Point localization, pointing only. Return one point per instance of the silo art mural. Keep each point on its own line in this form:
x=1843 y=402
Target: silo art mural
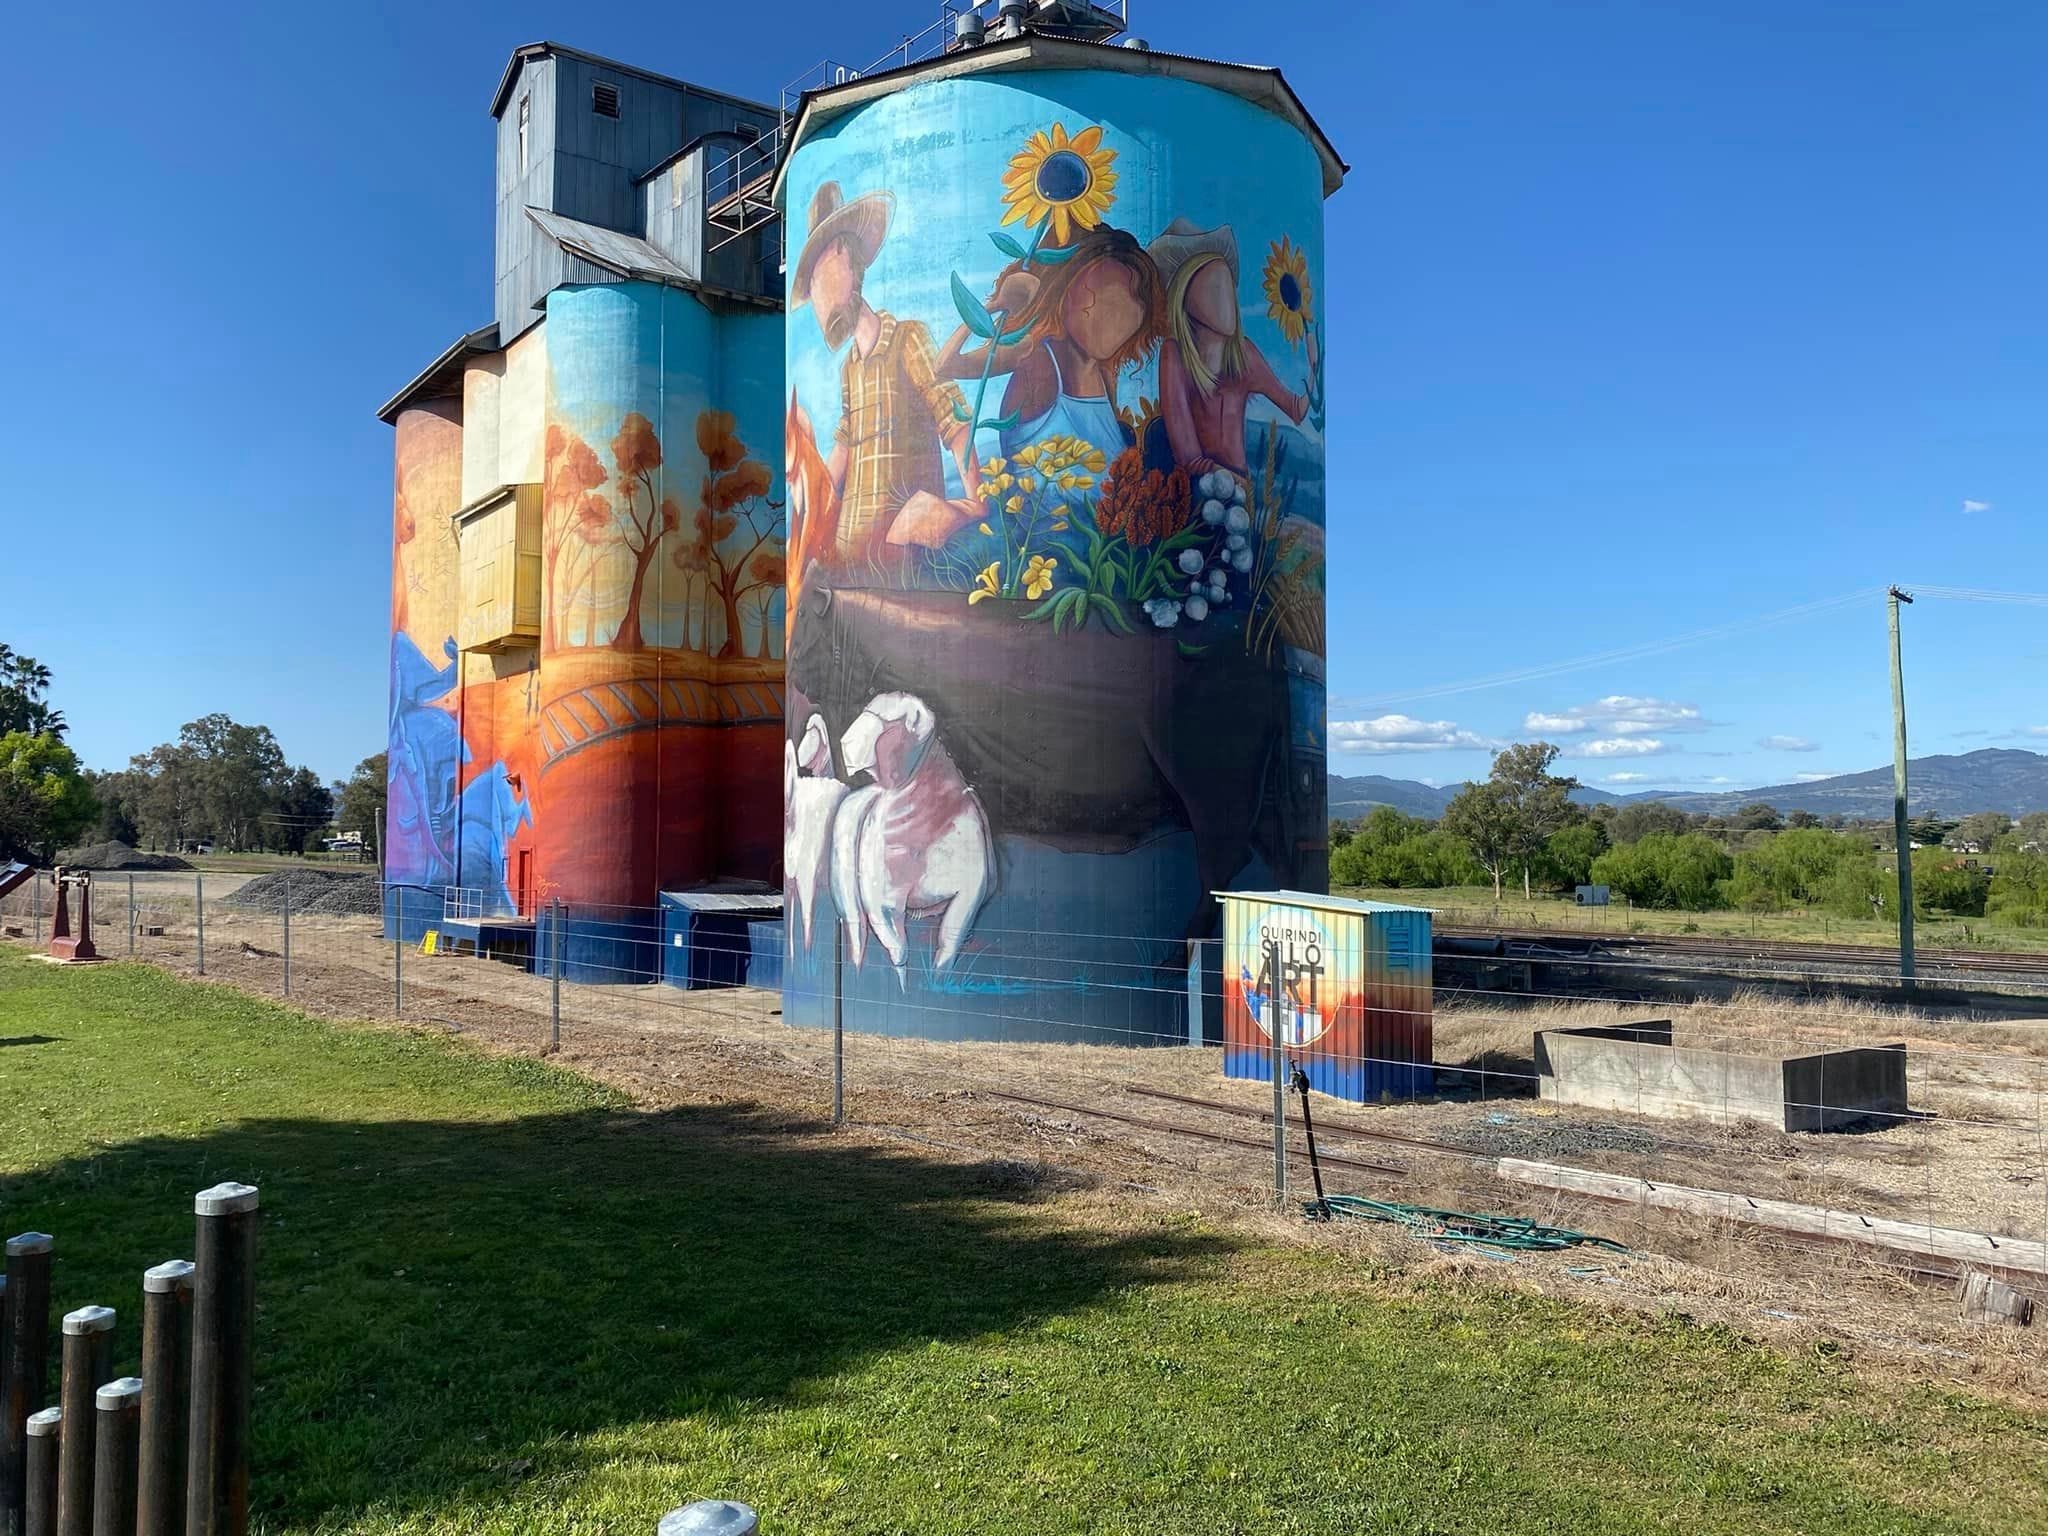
x=1054 y=457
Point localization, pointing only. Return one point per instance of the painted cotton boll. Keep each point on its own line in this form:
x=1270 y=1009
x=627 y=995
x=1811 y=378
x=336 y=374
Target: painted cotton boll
x=1198 y=608
x=1237 y=520
x=1190 y=561
x=1212 y=511
x=1242 y=560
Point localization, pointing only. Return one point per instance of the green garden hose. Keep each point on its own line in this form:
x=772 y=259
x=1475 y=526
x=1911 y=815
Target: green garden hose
x=1511 y=1234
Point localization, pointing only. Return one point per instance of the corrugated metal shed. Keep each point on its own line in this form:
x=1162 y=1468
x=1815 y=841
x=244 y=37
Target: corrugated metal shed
x=1345 y=983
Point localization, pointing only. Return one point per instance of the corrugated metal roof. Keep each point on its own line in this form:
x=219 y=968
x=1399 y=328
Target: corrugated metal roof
x=543 y=48
x=1319 y=903
x=627 y=255
x=1260 y=84
x=721 y=901
x=443 y=376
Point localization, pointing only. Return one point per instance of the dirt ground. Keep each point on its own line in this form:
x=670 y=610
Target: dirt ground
x=1090 y=1120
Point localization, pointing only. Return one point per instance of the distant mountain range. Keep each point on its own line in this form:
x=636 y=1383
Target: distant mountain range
x=1992 y=779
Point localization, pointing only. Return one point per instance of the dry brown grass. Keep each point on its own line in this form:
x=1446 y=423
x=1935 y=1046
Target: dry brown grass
x=1985 y=1171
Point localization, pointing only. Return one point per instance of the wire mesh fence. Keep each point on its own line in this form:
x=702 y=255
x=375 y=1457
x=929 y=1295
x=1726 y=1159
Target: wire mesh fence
x=1732 y=1124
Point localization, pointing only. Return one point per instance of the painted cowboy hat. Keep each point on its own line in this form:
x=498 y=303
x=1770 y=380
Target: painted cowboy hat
x=862 y=224
x=1180 y=242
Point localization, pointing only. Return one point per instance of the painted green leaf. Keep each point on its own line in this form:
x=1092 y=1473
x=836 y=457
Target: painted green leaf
x=1190 y=651
x=960 y=411
x=1004 y=423
x=1011 y=338
x=1112 y=615
x=1007 y=246
x=972 y=314
x=1053 y=257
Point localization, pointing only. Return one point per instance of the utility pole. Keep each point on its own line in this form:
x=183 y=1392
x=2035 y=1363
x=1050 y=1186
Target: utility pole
x=1901 y=836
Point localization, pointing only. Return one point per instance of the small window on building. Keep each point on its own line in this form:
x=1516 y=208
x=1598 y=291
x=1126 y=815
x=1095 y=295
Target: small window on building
x=525 y=122
x=604 y=98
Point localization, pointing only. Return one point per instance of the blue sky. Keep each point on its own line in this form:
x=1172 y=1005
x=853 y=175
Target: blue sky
x=1643 y=320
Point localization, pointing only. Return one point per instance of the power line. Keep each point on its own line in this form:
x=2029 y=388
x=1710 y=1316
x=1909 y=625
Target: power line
x=1982 y=595
x=1627 y=653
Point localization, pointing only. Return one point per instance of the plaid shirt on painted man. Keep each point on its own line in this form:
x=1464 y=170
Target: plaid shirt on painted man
x=897 y=417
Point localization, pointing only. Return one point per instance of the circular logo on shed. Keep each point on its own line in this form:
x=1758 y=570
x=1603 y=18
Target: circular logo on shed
x=1285 y=977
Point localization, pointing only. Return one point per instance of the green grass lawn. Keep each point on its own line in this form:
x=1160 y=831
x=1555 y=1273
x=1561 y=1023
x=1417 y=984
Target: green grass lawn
x=495 y=1297
x=1473 y=906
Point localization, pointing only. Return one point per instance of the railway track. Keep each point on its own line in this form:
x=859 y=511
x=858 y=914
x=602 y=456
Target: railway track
x=1789 y=954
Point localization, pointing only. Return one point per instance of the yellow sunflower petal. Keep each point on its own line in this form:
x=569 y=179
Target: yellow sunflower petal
x=1084 y=142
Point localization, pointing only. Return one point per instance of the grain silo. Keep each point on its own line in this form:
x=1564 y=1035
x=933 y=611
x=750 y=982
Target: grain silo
x=1054 y=450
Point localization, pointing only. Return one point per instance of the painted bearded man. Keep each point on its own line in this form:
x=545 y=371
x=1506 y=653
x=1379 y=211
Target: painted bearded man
x=897 y=416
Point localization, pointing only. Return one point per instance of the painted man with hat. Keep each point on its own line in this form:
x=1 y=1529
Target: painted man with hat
x=897 y=416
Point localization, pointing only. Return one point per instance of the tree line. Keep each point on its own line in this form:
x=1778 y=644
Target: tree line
x=221 y=783
x=1520 y=825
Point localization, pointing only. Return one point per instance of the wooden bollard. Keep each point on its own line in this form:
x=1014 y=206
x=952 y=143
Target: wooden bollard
x=223 y=1322
x=166 y=1390
x=24 y=1365
x=40 y=1504
x=88 y=1361
x=117 y=1442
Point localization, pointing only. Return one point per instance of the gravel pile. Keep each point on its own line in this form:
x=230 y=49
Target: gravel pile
x=117 y=855
x=312 y=891
x=1543 y=1137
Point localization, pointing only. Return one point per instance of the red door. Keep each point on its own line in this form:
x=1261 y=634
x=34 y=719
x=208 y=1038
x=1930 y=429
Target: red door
x=523 y=886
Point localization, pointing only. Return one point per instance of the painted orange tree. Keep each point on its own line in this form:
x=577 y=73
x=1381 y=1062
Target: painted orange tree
x=571 y=507
x=637 y=452
x=736 y=543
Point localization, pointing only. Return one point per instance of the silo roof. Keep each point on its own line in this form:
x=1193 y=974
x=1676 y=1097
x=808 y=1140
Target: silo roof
x=1259 y=84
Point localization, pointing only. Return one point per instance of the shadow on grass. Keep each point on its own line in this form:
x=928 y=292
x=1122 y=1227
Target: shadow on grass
x=7 y=1040
x=440 y=1302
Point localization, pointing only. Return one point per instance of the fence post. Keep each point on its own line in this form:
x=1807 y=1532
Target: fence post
x=117 y=1411
x=88 y=1361
x=39 y=1497
x=710 y=1517
x=287 y=933
x=35 y=897
x=166 y=1385
x=398 y=964
x=1195 y=1033
x=555 y=981
x=26 y=1366
x=199 y=916
x=223 y=1320
x=838 y=1021
x=131 y=917
x=1276 y=1011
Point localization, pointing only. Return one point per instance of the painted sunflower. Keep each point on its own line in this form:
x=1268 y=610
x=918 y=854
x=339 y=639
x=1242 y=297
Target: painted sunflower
x=1290 y=299
x=1066 y=180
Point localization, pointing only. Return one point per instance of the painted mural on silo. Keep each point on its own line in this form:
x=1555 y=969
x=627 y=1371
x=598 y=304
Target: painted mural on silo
x=1055 y=458
x=662 y=640
x=458 y=814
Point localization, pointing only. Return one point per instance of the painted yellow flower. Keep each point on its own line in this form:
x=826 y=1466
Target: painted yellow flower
x=1037 y=576
x=1290 y=297
x=1066 y=180
x=1026 y=455
x=1094 y=462
x=985 y=585
x=1014 y=504
x=1027 y=483
x=993 y=466
x=988 y=530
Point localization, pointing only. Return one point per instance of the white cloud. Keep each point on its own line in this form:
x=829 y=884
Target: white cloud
x=1719 y=778
x=1970 y=506
x=1627 y=778
x=1788 y=744
x=1620 y=746
x=1618 y=714
x=1404 y=733
x=1812 y=778
x=2037 y=730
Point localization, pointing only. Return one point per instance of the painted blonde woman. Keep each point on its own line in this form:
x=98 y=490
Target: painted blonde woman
x=1208 y=370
